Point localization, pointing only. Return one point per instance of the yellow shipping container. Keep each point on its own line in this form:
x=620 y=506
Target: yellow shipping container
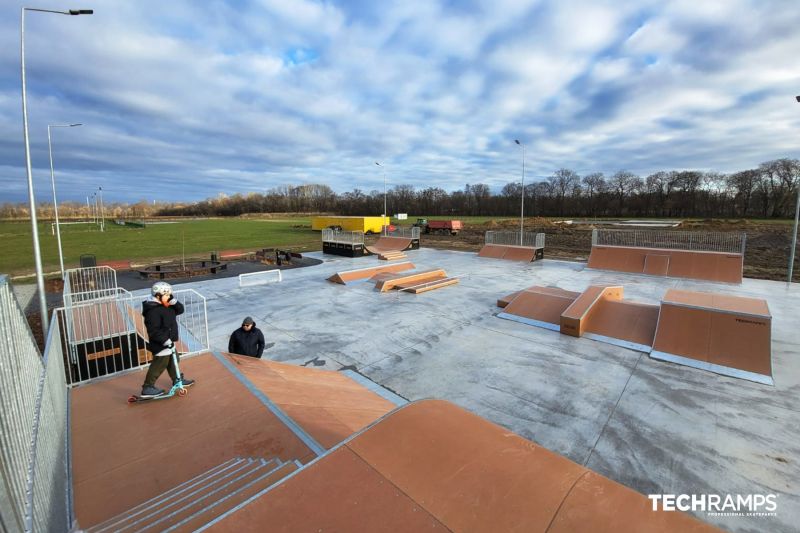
x=365 y=224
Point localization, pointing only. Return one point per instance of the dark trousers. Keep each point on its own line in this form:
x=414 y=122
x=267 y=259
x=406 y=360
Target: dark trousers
x=157 y=367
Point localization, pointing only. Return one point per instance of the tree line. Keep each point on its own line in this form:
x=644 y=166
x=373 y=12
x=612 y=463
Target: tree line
x=764 y=192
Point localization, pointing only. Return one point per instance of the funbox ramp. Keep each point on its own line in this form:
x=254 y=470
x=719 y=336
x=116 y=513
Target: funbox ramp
x=728 y=335
x=433 y=466
x=710 y=266
x=598 y=313
x=363 y=274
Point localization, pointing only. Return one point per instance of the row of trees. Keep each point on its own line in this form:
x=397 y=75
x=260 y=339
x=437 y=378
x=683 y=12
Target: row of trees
x=765 y=192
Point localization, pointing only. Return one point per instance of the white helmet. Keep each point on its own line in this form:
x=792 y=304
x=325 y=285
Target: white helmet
x=162 y=287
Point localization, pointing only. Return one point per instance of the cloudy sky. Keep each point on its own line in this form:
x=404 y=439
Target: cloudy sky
x=182 y=100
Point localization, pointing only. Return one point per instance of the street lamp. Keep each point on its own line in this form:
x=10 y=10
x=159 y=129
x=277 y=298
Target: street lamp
x=522 y=203
x=102 y=213
x=794 y=232
x=385 y=228
x=37 y=254
x=53 y=183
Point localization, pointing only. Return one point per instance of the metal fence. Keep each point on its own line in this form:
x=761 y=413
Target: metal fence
x=404 y=232
x=107 y=335
x=343 y=237
x=260 y=278
x=81 y=284
x=733 y=242
x=34 y=488
x=529 y=239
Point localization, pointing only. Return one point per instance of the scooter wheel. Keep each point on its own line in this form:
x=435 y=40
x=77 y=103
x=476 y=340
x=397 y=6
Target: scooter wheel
x=132 y=399
x=181 y=392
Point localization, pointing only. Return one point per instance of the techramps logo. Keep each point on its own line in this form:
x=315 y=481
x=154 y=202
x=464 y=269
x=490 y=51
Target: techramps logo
x=765 y=505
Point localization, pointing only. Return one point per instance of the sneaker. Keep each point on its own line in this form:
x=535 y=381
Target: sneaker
x=149 y=391
x=186 y=382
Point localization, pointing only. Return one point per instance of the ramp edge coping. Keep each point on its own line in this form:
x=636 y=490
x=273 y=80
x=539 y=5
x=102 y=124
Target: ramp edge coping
x=619 y=342
x=293 y=426
x=530 y=321
x=716 y=310
x=712 y=367
x=384 y=393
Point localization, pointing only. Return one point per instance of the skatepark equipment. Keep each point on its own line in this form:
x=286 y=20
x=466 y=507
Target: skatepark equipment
x=260 y=278
x=363 y=274
x=679 y=254
x=728 y=335
x=177 y=387
x=345 y=243
x=507 y=245
x=409 y=279
x=392 y=256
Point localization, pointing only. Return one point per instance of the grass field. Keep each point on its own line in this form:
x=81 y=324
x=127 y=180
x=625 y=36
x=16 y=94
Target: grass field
x=195 y=238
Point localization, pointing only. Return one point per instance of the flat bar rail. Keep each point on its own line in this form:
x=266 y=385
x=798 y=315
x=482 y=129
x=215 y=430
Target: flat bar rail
x=705 y=241
x=529 y=239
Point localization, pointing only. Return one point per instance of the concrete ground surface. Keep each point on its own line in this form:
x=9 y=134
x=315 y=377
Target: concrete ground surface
x=656 y=427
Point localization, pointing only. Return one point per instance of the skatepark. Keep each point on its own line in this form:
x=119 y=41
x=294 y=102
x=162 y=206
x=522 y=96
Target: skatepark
x=654 y=426
x=595 y=372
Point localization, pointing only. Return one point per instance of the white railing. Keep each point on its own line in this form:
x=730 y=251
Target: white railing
x=529 y=239
x=404 y=232
x=343 y=237
x=710 y=241
x=260 y=278
x=81 y=284
x=107 y=335
x=34 y=470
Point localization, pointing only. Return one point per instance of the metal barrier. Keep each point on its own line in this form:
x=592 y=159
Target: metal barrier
x=529 y=239
x=343 y=237
x=673 y=240
x=107 y=335
x=260 y=278
x=34 y=488
x=404 y=232
x=81 y=284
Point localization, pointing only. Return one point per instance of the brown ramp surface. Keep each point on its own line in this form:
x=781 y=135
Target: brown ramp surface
x=539 y=306
x=432 y=465
x=125 y=454
x=388 y=244
x=575 y=317
x=728 y=335
x=711 y=266
x=349 y=276
x=511 y=253
x=328 y=405
x=628 y=324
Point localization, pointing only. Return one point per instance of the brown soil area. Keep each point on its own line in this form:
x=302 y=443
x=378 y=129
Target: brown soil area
x=766 y=255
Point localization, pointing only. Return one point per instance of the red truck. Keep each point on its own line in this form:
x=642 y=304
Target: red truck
x=441 y=226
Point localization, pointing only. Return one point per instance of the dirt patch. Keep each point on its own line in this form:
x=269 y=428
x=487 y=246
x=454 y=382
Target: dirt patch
x=766 y=253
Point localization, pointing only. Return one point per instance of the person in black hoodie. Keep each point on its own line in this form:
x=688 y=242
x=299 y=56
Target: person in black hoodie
x=160 y=318
x=247 y=340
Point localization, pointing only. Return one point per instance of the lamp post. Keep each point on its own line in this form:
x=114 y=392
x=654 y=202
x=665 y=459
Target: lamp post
x=102 y=213
x=794 y=231
x=385 y=228
x=37 y=254
x=522 y=203
x=53 y=183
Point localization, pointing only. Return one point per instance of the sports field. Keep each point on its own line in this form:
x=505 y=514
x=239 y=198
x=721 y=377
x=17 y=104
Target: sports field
x=163 y=240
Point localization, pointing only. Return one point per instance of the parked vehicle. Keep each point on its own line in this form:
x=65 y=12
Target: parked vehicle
x=440 y=226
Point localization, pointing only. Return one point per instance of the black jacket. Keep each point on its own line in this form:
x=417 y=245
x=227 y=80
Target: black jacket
x=161 y=323
x=247 y=342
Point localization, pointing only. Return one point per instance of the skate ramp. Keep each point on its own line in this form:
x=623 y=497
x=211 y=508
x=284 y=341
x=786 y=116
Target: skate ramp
x=539 y=306
x=627 y=324
x=363 y=274
x=710 y=266
x=400 y=281
x=148 y=448
x=728 y=335
x=510 y=253
x=328 y=405
x=432 y=466
x=389 y=244
x=574 y=319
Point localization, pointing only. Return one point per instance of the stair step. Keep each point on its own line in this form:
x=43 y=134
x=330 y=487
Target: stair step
x=209 y=499
x=187 y=497
x=148 y=506
x=225 y=503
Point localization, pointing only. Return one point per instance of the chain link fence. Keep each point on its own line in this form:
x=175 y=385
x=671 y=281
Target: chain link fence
x=705 y=241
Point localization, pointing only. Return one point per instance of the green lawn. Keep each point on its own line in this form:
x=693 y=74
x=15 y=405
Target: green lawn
x=196 y=238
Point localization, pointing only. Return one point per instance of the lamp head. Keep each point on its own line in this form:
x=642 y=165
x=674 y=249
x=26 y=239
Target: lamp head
x=797 y=98
x=516 y=141
x=81 y=11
